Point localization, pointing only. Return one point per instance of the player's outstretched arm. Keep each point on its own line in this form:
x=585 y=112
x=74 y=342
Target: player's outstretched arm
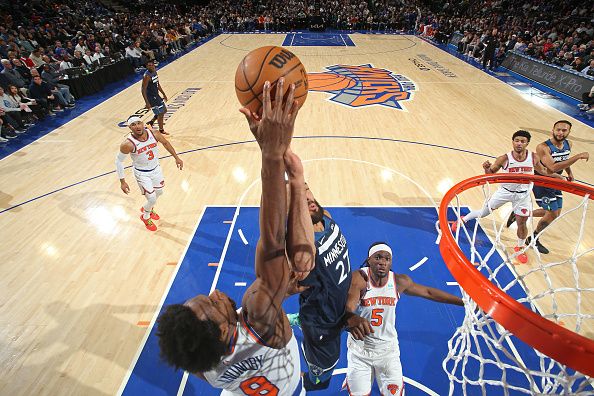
x=300 y=232
x=263 y=299
x=169 y=147
x=406 y=285
x=359 y=327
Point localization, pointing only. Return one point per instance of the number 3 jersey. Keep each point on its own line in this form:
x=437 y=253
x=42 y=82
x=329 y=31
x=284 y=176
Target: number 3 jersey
x=378 y=306
x=145 y=156
x=323 y=304
x=253 y=368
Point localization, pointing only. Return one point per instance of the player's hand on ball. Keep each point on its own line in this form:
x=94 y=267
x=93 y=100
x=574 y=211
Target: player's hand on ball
x=275 y=130
x=125 y=187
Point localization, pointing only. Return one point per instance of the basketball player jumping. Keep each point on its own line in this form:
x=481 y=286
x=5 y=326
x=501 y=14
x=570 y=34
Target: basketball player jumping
x=554 y=156
x=150 y=92
x=518 y=161
x=141 y=144
x=253 y=351
x=375 y=290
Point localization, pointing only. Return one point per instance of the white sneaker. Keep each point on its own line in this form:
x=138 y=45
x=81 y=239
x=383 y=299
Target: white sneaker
x=591 y=111
x=2 y=140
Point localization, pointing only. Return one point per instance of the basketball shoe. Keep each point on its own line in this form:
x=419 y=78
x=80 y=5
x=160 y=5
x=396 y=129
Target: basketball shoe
x=522 y=257
x=148 y=223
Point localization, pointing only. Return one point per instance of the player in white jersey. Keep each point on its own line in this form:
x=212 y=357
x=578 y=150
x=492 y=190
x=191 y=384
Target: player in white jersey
x=375 y=290
x=518 y=161
x=253 y=352
x=141 y=145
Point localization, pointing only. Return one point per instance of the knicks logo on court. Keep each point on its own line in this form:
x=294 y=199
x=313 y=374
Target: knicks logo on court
x=363 y=85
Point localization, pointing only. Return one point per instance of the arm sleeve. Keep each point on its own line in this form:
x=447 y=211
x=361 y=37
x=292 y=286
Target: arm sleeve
x=120 y=164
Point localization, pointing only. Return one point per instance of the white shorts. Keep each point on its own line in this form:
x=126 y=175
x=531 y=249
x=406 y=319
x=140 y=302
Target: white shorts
x=521 y=202
x=364 y=367
x=149 y=181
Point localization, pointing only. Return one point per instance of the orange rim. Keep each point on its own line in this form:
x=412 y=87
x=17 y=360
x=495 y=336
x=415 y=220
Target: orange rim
x=553 y=340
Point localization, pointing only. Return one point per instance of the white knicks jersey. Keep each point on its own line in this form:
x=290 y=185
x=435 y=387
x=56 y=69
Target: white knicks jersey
x=523 y=167
x=378 y=306
x=256 y=369
x=145 y=156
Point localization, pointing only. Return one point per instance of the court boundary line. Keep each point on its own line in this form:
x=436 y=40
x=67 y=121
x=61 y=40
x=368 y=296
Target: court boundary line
x=393 y=140
x=162 y=301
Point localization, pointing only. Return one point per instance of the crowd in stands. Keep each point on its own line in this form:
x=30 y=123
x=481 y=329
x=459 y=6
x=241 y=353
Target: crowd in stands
x=40 y=40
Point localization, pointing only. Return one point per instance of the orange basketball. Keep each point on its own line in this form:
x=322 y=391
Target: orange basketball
x=268 y=64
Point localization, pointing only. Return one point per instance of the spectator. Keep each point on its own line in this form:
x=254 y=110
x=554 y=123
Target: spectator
x=16 y=97
x=134 y=56
x=36 y=57
x=53 y=78
x=587 y=104
x=12 y=76
x=13 y=110
x=42 y=93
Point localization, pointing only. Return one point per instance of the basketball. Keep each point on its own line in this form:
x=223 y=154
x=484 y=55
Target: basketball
x=268 y=64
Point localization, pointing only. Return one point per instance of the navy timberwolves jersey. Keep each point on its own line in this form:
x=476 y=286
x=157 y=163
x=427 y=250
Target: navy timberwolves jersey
x=323 y=304
x=559 y=154
x=153 y=84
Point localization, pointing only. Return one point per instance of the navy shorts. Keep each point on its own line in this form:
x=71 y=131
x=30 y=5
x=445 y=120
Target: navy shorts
x=321 y=349
x=548 y=198
x=157 y=104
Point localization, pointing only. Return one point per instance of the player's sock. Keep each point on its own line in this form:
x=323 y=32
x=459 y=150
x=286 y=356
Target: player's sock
x=521 y=242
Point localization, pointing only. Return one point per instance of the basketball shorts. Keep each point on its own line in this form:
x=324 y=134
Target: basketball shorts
x=548 y=198
x=365 y=365
x=321 y=349
x=521 y=202
x=150 y=180
x=158 y=105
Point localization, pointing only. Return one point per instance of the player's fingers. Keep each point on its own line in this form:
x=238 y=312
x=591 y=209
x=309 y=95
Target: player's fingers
x=267 y=105
x=368 y=328
x=289 y=103
x=294 y=110
x=278 y=100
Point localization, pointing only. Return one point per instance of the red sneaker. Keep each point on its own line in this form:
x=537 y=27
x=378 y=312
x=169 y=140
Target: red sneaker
x=522 y=257
x=148 y=223
x=154 y=215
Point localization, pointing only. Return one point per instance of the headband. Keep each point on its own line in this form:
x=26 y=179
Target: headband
x=377 y=248
x=133 y=119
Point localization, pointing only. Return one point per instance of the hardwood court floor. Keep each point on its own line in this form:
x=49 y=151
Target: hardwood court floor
x=80 y=276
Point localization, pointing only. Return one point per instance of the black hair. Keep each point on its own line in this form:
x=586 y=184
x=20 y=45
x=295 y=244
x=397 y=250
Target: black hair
x=522 y=133
x=365 y=262
x=563 y=122
x=187 y=342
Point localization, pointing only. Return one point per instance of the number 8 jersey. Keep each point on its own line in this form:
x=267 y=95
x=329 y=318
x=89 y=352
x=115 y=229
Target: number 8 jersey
x=378 y=306
x=253 y=368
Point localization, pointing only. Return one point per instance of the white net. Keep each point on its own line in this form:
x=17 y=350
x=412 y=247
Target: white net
x=484 y=358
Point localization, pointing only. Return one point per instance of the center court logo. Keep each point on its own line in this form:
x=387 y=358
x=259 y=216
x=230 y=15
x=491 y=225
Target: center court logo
x=363 y=85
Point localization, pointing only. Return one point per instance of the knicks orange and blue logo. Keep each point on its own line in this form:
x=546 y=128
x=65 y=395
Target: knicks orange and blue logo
x=363 y=85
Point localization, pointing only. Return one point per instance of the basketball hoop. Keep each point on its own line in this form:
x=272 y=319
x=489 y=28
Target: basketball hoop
x=566 y=347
